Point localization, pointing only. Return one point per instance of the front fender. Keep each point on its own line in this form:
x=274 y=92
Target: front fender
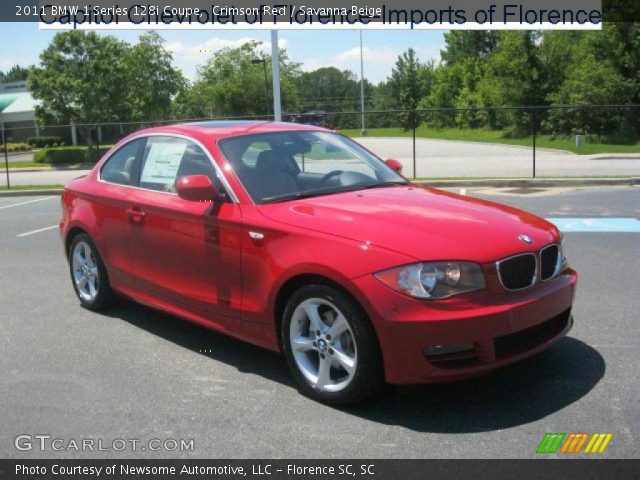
x=287 y=252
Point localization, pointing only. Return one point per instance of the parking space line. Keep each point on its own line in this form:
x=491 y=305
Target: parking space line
x=598 y=224
x=25 y=203
x=37 y=231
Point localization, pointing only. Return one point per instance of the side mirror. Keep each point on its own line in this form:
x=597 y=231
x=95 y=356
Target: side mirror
x=394 y=165
x=197 y=188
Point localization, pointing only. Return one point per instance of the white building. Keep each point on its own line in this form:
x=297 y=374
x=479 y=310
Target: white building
x=17 y=111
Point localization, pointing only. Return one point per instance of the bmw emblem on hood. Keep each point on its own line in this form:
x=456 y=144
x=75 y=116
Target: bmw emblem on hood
x=525 y=238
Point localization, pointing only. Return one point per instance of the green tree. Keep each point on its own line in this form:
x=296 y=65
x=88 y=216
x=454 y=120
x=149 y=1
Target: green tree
x=603 y=69
x=89 y=78
x=512 y=78
x=383 y=97
x=81 y=78
x=619 y=43
x=411 y=80
x=455 y=81
x=556 y=53
x=332 y=90
x=15 y=74
x=232 y=83
x=463 y=45
x=329 y=89
x=151 y=79
x=516 y=69
x=455 y=86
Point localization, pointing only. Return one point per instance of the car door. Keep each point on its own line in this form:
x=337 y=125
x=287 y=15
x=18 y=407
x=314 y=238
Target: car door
x=109 y=200
x=183 y=251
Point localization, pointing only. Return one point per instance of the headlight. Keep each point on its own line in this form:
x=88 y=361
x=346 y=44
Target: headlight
x=434 y=280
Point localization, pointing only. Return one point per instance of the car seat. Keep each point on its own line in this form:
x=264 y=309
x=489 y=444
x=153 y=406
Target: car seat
x=272 y=176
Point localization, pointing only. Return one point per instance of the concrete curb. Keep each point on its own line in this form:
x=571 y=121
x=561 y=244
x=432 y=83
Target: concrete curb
x=29 y=169
x=532 y=182
x=59 y=168
x=30 y=193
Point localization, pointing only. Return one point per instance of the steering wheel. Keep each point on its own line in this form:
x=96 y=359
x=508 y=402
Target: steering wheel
x=331 y=174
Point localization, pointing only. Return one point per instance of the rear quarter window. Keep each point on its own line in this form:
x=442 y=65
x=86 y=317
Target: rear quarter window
x=121 y=166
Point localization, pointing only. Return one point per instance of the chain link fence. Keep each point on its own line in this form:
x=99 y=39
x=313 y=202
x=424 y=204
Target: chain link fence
x=527 y=142
x=523 y=142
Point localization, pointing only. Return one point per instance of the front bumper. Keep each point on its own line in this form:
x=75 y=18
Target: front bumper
x=500 y=328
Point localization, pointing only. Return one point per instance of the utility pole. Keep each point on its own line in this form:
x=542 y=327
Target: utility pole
x=363 y=131
x=275 y=73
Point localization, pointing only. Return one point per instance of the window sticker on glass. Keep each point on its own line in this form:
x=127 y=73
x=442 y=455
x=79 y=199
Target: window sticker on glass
x=162 y=163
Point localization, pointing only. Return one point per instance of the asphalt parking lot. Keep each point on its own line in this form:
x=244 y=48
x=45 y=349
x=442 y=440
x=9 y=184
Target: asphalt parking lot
x=133 y=372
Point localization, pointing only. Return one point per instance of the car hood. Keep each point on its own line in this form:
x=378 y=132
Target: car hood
x=424 y=223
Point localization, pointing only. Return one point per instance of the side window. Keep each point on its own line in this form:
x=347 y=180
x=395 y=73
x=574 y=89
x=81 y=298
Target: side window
x=120 y=167
x=166 y=159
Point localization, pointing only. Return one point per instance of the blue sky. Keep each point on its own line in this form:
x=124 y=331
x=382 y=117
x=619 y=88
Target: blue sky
x=21 y=43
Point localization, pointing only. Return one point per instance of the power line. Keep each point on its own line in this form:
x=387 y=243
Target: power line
x=347 y=96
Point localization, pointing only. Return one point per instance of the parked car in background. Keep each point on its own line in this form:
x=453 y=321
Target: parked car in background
x=298 y=239
x=317 y=118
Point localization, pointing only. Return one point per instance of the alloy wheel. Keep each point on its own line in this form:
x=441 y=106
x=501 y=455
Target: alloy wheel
x=85 y=271
x=323 y=345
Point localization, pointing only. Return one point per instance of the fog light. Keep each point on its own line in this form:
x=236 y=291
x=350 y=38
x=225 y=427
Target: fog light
x=447 y=349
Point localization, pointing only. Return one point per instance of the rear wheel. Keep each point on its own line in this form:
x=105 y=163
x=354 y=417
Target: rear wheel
x=88 y=274
x=330 y=346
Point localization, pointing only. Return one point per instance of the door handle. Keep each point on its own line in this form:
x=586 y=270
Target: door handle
x=136 y=215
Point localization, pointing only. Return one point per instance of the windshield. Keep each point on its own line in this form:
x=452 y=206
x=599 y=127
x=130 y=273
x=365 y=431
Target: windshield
x=281 y=166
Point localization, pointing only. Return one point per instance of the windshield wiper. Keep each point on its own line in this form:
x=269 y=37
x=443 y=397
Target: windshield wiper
x=316 y=193
x=290 y=196
x=385 y=184
x=313 y=193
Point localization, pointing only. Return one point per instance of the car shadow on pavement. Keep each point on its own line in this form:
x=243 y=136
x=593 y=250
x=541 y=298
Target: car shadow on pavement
x=514 y=395
x=518 y=394
x=219 y=347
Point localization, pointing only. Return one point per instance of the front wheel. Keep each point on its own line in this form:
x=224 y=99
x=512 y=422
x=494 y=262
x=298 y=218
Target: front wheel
x=330 y=346
x=88 y=274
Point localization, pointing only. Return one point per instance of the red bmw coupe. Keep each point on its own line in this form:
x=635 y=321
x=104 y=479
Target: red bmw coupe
x=297 y=239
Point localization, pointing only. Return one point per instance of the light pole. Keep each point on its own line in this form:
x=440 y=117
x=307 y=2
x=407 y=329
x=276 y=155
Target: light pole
x=275 y=76
x=363 y=131
x=256 y=61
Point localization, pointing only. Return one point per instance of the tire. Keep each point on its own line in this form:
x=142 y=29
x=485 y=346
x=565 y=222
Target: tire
x=340 y=369
x=88 y=274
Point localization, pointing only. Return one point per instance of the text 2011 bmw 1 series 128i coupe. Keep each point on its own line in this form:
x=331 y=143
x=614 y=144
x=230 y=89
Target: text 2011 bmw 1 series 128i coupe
x=297 y=239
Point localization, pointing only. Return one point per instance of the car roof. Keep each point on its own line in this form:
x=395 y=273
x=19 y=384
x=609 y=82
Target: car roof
x=230 y=128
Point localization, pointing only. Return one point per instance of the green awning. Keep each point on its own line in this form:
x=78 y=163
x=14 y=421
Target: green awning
x=7 y=99
x=17 y=102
